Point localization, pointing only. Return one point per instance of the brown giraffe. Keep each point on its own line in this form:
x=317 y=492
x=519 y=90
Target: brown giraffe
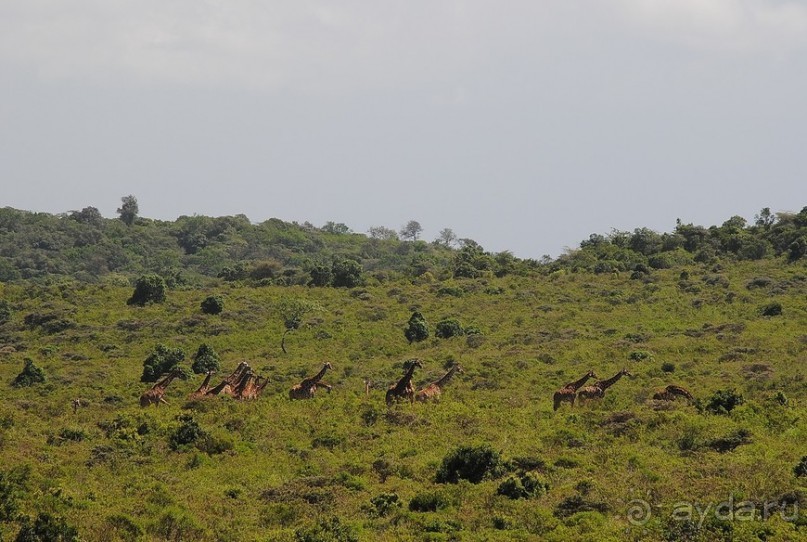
x=597 y=391
x=154 y=396
x=204 y=388
x=433 y=391
x=228 y=385
x=250 y=387
x=568 y=392
x=671 y=392
x=307 y=388
x=404 y=389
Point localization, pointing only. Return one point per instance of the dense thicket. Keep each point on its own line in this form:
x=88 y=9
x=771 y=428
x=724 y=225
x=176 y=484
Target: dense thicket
x=84 y=245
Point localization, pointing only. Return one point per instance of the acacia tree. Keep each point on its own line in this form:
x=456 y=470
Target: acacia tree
x=291 y=311
x=412 y=230
x=447 y=237
x=128 y=209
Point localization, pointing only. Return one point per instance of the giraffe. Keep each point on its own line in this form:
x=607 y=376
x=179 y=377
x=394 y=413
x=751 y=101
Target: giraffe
x=154 y=396
x=597 y=391
x=568 y=392
x=228 y=385
x=404 y=386
x=671 y=392
x=307 y=388
x=204 y=388
x=250 y=386
x=433 y=391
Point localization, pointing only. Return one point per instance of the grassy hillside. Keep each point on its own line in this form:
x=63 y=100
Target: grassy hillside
x=345 y=467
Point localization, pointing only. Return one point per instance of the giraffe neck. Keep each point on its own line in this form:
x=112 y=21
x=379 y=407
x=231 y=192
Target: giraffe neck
x=162 y=384
x=443 y=381
x=605 y=384
x=578 y=383
x=407 y=378
x=317 y=377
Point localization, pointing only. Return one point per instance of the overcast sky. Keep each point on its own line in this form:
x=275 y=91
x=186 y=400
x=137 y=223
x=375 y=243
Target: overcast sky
x=524 y=125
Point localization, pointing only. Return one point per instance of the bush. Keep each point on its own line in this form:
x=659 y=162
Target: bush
x=12 y=484
x=205 y=359
x=445 y=329
x=771 y=309
x=46 y=528
x=668 y=367
x=346 y=273
x=801 y=468
x=162 y=360
x=326 y=531
x=472 y=463
x=213 y=304
x=384 y=503
x=5 y=311
x=428 y=501
x=417 y=329
x=149 y=288
x=723 y=402
x=524 y=486
x=321 y=275
x=30 y=375
x=187 y=433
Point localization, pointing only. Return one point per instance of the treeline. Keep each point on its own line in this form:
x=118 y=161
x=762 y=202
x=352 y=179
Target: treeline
x=86 y=246
x=770 y=235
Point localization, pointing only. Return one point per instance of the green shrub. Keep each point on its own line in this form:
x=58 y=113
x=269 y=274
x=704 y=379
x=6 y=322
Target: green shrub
x=384 y=503
x=326 y=531
x=161 y=361
x=447 y=328
x=771 y=309
x=46 y=528
x=472 y=463
x=205 y=359
x=723 y=401
x=123 y=528
x=417 y=329
x=801 y=468
x=213 y=304
x=187 y=433
x=12 y=485
x=149 y=288
x=5 y=311
x=30 y=375
x=428 y=501
x=668 y=367
x=525 y=486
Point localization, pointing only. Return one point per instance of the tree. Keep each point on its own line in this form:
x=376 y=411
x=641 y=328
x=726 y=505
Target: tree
x=380 y=232
x=346 y=273
x=128 y=209
x=447 y=238
x=765 y=218
x=161 y=361
x=412 y=230
x=212 y=304
x=46 y=528
x=30 y=375
x=205 y=359
x=291 y=311
x=149 y=288
x=416 y=329
x=334 y=227
x=321 y=275
x=88 y=215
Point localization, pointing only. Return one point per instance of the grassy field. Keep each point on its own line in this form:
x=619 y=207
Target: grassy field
x=343 y=466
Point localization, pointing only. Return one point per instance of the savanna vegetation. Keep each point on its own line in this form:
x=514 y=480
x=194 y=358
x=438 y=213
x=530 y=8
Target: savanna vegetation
x=93 y=311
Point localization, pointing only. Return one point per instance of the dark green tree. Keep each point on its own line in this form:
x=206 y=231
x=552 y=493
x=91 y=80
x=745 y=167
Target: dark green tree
x=46 y=528
x=212 y=304
x=321 y=275
x=346 y=273
x=149 y=288
x=30 y=375
x=205 y=359
x=161 y=361
x=128 y=209
x=416 y=329
x=5 y=311
x=447 y=328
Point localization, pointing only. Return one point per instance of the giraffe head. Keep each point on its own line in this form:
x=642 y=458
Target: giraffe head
x=458 y=369
x=412 y=363
x=327 y=365
x=625 y=372
x=591 y=374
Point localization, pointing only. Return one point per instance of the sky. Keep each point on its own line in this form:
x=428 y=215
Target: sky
x=523 y=125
